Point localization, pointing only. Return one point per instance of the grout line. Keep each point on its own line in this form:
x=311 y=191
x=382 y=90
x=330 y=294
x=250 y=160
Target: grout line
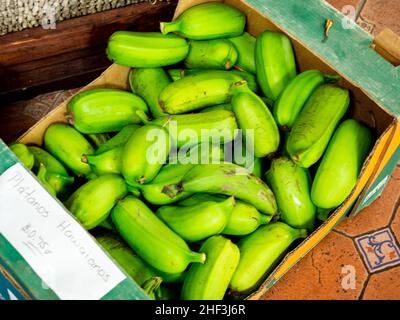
x=397 y=241
x=386 y=226
x=366 y=281
x=385 y=269
x=361 y=257
x=393 y=215
x=365 y=285
x=359 y=8
x=344 y=234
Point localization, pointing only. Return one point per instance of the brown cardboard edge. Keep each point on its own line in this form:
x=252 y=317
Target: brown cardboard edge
x=371 y=179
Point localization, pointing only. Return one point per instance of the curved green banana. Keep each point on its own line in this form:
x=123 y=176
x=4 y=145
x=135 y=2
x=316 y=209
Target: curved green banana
x=197 y=91
x=201 y=153
x=252 y=114
x=229 y=179
x=244 y=218
x=194 y=223
x=293 y=98
x=224 y=106
x=148 y=84
x=190 y=129
x=291 y=185
x=98 y=139
x=210 y=280
x=258 y=166
x=316 y=123
x=93 y=201
x=247 y=160
x=152 y=286
x=128 y=260
x=251 y=80
x=341 y=164
x=155 y=243
x=245 y=45
x=211 y=54
x=108 y=225
x=133 y=265
x=275 y=63
x=57 y=184
x=144 y=154
x=107 y=162
x=176 y=74
x=105 y=110
x=51 y=172
x=42 y=176
x=207 y=21
x=323 y=214
x=259 y=253
x=43 y=157
x=171 y=173
x=146 y=49
x=68 y=145
x=23 y=154
x=119 y=140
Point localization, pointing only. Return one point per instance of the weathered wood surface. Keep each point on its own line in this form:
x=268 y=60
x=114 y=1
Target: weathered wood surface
x=42 y=60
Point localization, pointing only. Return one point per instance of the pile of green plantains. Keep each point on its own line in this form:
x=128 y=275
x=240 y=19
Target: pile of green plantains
x=201 y=230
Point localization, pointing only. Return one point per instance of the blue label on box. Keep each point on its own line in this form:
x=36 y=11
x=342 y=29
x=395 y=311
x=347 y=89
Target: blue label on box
x=8 y=291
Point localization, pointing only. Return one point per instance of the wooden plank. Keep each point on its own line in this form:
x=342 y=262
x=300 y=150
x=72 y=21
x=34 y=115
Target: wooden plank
x=81 y=32
x=37 y=61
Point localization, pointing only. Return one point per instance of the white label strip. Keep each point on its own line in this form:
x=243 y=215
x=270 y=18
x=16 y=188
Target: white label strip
x=60 y=251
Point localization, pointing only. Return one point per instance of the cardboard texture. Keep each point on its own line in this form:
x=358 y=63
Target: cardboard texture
x=375 y=98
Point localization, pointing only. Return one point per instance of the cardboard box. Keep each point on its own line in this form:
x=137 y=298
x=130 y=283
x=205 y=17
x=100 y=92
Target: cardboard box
x=373 y=82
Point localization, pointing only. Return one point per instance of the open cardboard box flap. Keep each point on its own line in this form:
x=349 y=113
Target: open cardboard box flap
x=364 y=108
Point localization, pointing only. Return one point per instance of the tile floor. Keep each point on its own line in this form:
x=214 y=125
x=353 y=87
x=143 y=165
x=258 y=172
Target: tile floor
x=360 y=259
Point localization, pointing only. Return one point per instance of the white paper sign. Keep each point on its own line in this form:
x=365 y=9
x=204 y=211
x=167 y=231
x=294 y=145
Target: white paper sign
x=64 y=256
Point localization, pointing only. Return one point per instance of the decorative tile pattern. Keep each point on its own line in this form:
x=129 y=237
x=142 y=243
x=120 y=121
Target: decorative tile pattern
x=379 y=250
x=38 y=107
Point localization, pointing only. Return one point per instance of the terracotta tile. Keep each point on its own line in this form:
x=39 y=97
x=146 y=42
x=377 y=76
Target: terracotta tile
x=396 y=224
x=381 y=14
x=325 y=273
x=379 y=250
x=383 y=286
x=378 y=214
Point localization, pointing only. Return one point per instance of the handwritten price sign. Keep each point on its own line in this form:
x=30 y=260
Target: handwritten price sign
x=57 y=248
